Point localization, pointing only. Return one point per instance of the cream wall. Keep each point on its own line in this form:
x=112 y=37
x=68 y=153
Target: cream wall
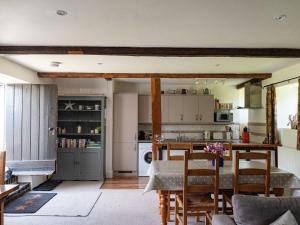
x=259 y=115
x=20 y=72
x=93 y=86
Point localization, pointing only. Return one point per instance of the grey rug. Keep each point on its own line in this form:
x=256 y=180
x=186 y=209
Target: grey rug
x=28 y=203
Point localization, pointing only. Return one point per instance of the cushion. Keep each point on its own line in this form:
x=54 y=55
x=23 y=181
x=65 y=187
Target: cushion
x=250 y=210
x=287 y=218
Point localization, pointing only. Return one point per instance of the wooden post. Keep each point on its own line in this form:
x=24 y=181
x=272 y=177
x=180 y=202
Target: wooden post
x=156 y=113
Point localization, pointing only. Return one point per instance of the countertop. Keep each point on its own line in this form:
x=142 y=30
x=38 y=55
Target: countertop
x=236 y=144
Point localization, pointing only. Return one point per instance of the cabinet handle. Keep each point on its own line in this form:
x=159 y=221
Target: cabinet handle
x=201 y=116
x=197 y=117
x=181 y=117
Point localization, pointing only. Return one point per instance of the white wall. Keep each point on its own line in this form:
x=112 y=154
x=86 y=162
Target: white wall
x=20 y=72
x=93 y=86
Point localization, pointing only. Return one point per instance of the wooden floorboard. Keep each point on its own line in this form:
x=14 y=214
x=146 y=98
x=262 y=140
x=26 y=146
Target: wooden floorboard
x=125 y=183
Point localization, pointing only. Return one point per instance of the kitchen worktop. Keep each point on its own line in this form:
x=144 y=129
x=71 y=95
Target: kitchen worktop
x=236 y=145
x=193 y=141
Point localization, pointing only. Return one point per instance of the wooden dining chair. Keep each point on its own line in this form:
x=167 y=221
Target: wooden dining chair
x=249 y=188
x=178 y=147
x=196 y=198
x=228 y=155
x=175 y=147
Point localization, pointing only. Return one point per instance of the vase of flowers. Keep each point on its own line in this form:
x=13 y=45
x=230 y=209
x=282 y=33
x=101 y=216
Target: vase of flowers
x=214 y=148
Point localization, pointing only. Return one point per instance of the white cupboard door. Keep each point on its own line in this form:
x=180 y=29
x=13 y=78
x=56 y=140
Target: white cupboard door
x=144 y=106
x=125 y=156
x=190 y=109
x=176 y=109
x=125 y=117
x=206 y=109
x=164 y=108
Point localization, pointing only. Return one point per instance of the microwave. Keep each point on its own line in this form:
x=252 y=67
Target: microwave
x=223 y=116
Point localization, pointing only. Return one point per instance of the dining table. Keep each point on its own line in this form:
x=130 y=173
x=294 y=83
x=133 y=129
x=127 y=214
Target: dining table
x=166 y=176
x=5 y=190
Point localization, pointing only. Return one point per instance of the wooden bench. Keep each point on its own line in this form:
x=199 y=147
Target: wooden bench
x=32 y=167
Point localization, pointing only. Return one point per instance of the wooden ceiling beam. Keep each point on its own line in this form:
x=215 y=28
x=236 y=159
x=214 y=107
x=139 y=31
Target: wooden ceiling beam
x=260 y=76
x=154 y=51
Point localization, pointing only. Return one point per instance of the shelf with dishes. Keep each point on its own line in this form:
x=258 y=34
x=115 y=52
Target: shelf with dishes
x=73 y=143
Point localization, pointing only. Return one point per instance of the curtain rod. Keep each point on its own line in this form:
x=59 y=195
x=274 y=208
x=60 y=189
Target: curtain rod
x=279 y=82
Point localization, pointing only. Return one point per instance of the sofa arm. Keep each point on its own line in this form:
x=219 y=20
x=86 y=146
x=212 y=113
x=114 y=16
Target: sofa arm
x=221 y=219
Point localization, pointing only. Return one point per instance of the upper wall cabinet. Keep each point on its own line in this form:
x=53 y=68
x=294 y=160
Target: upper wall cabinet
x=206 y=109
x=179 y=109
x=145 y=109
x=145 y=114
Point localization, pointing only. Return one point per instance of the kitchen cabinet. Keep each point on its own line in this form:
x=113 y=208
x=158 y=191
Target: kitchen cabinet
x=190 y=109
x=206 y=109
x=125 y=132
x=176 y=109
x=179 y=109
x=125 y=156
x=144 y=107
x=164 y=109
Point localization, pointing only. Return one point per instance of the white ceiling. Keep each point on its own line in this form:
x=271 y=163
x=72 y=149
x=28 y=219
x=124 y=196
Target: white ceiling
x=174 y=23
x=130 y=64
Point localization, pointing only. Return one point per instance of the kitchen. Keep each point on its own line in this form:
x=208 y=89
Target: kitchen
x=192 y=110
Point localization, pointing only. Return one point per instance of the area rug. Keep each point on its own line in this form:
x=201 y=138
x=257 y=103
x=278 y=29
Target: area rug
x=28 y=203
x=71 y=204
x=49 y=185
x=77 y=204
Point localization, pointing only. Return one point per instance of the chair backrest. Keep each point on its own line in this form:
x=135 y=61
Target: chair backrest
x=228 y=155
x=261 y=188
x=182 y=147
x=213 y=187
x=2 y=167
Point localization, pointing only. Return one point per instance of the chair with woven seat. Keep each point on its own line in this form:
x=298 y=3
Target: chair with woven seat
x=196 y=198
x=178 y=148
x=249 y=188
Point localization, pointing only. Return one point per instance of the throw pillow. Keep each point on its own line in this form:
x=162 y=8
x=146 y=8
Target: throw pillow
x=286 y=219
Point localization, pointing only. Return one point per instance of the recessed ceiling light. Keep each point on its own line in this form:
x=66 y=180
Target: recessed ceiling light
x=55 y=64
x=60 y=12
x=217 y=65
x=280 y=18
x=99 y=63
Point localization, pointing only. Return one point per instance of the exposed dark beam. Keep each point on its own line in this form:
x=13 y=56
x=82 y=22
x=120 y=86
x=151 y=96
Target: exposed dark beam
x=260 y=76
x=156 y=112
x=253 y=81
x=154 y=51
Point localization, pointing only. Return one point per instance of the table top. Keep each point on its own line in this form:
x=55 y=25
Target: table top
x=168 y=175
x=6 y=189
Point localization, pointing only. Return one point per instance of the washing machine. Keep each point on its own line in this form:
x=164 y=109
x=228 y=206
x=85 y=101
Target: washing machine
x=145 y=158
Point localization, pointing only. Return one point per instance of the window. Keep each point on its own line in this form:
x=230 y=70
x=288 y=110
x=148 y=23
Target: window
x=287 y=103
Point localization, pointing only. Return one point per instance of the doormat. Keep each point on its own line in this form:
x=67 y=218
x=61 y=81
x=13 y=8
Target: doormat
x=29 y=203
x=49 y=185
